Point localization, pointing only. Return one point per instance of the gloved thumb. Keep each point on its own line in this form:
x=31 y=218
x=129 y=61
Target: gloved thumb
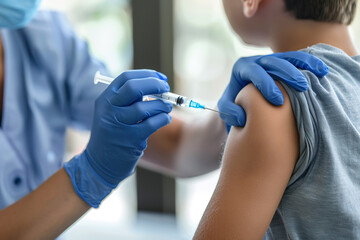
x=233 y=114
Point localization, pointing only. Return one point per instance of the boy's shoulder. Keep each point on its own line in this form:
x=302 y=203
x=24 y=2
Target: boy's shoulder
x=331 y=55
x=343 y=71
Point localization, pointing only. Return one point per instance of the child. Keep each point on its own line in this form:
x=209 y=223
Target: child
x=46 y=77
x=293 y=171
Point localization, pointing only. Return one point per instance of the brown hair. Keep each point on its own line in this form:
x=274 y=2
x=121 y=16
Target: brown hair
x=336 y=11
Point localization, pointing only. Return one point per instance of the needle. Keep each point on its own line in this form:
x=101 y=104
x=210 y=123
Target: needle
x=214 y=110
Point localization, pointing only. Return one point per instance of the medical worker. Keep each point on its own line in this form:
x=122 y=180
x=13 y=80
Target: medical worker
x=46 y=85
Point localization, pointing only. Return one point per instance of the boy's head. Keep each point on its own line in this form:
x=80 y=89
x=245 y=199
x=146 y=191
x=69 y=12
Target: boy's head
x=253 y=19
x=335 y=11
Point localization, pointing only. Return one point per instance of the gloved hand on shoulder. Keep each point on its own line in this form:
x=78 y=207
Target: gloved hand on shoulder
x=260 y=70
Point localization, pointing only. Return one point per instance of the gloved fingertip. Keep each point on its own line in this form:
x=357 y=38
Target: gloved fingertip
x=241 y=123
x=275 y=97
x=228 y=127
x=323 y=70
x=167 y=87
x=304 y=87
x=278 y=100
x=162 y=76
x=170 y=118
x=170 y=106
x=241 y=120
x=301 y=83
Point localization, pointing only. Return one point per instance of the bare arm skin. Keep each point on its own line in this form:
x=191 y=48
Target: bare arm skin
x=257 y=165
x=186 y=148
x=45 y=213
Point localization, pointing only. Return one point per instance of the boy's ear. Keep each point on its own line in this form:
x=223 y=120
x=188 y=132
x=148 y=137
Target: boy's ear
x=250 y=7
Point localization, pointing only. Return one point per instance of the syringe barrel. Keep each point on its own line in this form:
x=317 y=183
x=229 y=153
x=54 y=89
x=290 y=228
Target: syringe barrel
x=172 y=98
x=168 y=97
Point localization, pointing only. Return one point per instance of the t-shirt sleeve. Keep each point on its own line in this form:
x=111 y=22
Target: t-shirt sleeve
x=305 y=115
x=80 y=70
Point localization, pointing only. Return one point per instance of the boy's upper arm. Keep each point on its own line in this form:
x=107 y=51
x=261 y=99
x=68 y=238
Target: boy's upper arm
x=257 y=165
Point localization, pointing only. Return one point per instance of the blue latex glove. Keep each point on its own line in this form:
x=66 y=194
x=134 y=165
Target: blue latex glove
x=121 y=126
x=260 y=70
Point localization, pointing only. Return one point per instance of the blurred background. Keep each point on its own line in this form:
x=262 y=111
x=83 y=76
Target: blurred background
x=190 y=41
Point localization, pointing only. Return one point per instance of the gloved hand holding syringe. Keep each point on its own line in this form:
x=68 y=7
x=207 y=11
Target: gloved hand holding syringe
x=173 y=98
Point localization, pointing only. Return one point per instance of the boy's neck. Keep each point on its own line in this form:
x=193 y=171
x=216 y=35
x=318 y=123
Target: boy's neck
x=295 y=35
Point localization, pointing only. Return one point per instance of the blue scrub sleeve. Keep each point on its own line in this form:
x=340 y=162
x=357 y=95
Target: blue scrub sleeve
x=81 y=67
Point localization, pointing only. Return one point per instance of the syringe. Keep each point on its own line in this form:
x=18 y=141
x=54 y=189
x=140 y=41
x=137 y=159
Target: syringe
x=173 y=98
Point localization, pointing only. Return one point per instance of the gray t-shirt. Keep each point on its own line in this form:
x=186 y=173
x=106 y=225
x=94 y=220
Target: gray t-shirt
x=322 y=200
